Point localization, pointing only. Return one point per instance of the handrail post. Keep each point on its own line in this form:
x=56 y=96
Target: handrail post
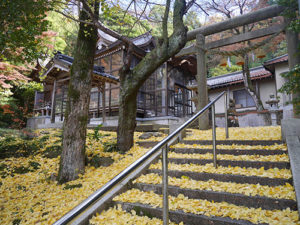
x=214 y=133
x=165 y=185
x=226 y=114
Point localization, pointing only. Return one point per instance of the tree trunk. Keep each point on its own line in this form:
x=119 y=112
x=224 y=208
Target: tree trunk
x=132 y=80
x=127 y=121
x=248 y=85
x=250 y=89
x=76 y=116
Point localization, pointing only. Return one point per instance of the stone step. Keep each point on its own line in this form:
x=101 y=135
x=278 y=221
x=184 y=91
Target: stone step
x=233 y=198
x=225 y=177
x=230 y=151
x=231 y=142
x=179 y=216
x=247 y=164
x=149 y=144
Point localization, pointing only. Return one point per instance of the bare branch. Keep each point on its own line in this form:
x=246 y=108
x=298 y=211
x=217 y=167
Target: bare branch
x=165 y=22
x=138 y=20
x=201 y=8
x=153 y=3
x=100 y=26
x=72 y=18
x=189 y=5
x=251 y=26
x=126 y=10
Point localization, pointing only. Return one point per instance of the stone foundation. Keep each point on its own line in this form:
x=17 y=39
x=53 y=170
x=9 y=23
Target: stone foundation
x=249 y=119
x=42 y=122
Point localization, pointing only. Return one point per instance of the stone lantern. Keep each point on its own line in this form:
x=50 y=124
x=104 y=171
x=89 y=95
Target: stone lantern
x=273 y=109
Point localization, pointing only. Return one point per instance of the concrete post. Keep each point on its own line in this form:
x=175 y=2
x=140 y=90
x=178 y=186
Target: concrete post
x=293 y=42
x=201 y=81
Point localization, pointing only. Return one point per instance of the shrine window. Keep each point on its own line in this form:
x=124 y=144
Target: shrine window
x=243 y=98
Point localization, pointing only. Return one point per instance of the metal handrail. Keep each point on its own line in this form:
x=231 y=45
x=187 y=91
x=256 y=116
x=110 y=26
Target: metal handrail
x=164 y=143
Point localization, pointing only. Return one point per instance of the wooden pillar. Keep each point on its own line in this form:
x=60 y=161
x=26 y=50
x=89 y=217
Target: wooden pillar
x=293 y=42
x=103 y=104
x=184 y=101
x=62 y=104
x=166 y=89
x=98 y=103
x=53 y=102
x=109 y=100
x=201 y=81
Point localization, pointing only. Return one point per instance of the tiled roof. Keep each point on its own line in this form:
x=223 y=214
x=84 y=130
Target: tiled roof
x=139 y=41
x=237 y=77
x=279 y=59
x=142 y=39
x=99 y=70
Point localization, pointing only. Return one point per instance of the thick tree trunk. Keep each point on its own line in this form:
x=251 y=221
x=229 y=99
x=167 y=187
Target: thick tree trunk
x=76 y=116
x=127 y=122
x=132 y=80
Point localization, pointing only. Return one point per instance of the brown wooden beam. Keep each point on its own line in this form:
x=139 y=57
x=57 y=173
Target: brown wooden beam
x=245 y=19
x=245 y=36
x=234 y=39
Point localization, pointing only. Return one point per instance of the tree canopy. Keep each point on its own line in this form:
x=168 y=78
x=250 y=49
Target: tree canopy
x=22 y=28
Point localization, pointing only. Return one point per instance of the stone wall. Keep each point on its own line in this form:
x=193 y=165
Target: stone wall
x=252 y=120
x=249 y=119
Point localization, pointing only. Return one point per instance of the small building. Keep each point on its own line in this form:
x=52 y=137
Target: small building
x=163 y=99
x=267 y=81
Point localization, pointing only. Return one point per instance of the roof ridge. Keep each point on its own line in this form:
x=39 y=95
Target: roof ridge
x=278 y=57
x=235 y=73
x=100 y=70
x=146 y=33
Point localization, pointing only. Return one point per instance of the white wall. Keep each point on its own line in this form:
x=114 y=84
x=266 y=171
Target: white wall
x=281 y=68
x=212 y=94
x=266 y=88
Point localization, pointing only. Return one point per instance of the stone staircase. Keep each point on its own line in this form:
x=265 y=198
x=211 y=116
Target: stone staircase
x=250 y=186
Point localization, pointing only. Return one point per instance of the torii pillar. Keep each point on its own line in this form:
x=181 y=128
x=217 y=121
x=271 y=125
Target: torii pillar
x=201 y=81
x=293 y=42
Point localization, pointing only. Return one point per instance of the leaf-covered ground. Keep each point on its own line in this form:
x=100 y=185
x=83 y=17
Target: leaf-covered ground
x=29 y=165
x=237 y=133
x=29 y=192
x=224 y=209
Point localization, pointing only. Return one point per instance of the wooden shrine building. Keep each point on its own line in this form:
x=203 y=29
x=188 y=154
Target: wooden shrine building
x=163 y=95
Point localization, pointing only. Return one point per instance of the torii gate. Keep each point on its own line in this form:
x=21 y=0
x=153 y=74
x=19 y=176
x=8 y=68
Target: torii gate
x=200 y=47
